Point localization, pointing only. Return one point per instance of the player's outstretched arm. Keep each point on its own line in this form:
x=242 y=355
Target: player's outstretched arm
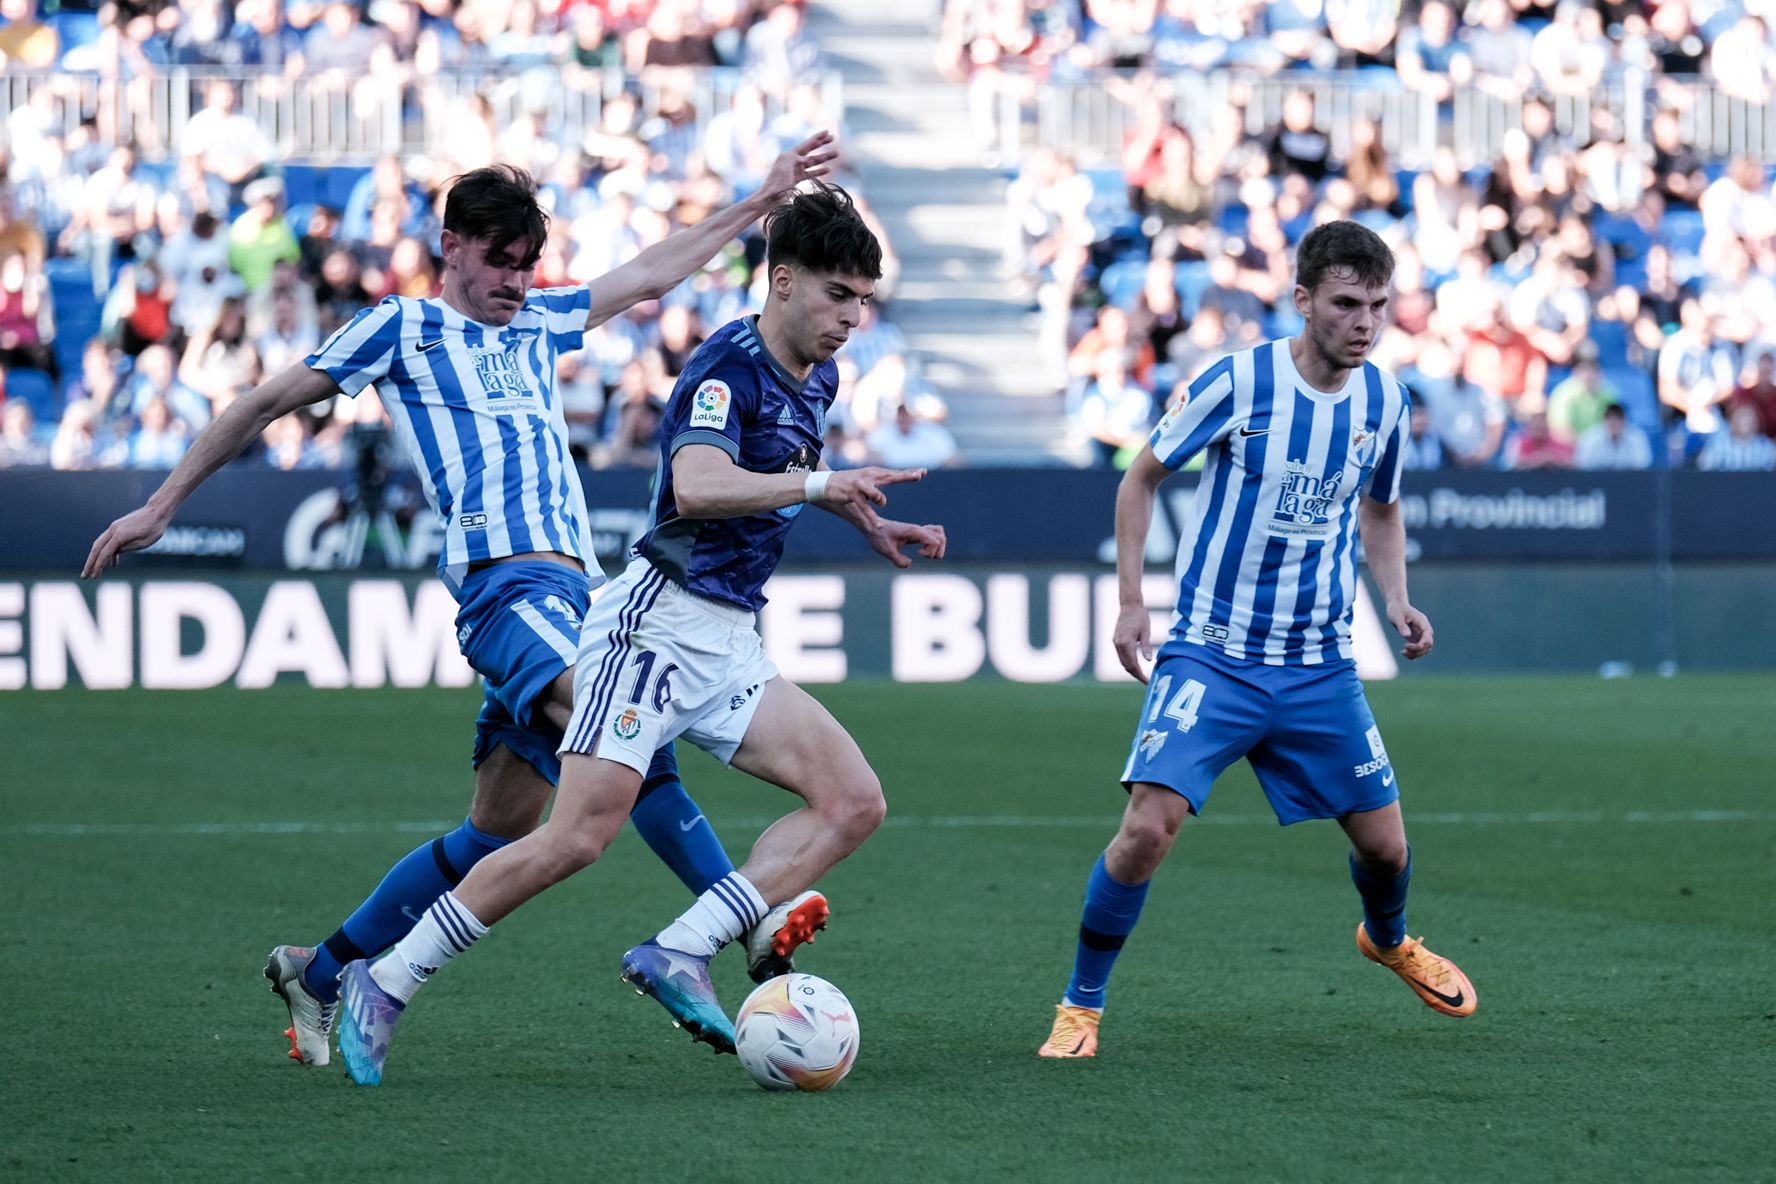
x=660 y=268
x=218 y=444
x=706 y=483
x=1384 y=548
x=1134 y=515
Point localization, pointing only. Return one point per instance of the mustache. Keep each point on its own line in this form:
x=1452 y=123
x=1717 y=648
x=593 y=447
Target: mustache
x=507 y=294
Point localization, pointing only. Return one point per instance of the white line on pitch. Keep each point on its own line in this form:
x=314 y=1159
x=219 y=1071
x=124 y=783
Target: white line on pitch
x=897 y=821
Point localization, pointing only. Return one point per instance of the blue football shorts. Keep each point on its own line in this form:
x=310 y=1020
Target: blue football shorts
x=519 y=626
x=1307 y=731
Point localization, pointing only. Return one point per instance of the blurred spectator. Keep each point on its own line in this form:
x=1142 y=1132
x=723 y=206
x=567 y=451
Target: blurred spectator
x=77 y=444
x=1743 y=60
x=1115 y=412
x=260 y=238
x=159 y=440
x=226 y=143
x=634 y=440
x=1429 y=56
x=340 y=44
x=911 y=441
x=220 y=358
x=1741 y=448
x=19 y=445
x=156 y=377
x=1423 y=450
x=26 y=43
x=1578 y=402
x=1502 y=360
x=1570 y=53
x=1677 y=166
x=1612 y=443
x=1757 y=390
x=283 y=326
x=1466 y=419
x=26 y=325
x=1696 y=370
x=1533 y=447
x=195 y=259
x=289 y=444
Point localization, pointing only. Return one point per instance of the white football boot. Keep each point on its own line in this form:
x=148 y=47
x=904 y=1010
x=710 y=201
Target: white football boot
x=772 y=943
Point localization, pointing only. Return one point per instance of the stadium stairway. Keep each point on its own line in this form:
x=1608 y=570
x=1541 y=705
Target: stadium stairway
x=944 y=211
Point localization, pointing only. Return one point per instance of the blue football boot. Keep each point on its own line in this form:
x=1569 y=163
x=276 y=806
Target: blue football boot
x=367 y=1017
x=680 y=981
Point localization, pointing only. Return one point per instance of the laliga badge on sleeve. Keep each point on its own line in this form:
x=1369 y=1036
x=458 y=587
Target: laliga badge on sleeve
x=709 y=406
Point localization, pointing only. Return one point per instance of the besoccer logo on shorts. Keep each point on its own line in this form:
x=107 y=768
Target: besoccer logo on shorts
x=627 y=726
x=709 y=406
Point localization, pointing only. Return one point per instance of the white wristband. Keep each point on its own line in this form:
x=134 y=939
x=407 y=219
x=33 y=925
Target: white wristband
x=814 y=488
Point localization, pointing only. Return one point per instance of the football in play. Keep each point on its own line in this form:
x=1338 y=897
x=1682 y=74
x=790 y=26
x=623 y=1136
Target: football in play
x=797 y=1032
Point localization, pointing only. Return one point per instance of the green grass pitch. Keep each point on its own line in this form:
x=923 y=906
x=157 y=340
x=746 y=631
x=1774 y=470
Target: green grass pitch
x=1599 y=856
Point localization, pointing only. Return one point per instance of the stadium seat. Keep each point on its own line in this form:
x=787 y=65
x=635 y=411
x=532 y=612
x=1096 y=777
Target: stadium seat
x=1639 y=398
x=302 y=184
x=1233 y=219
x=36 y=388
x=1122 y=282
x=1192 y=279
x=1611 y=339
x=1681 y=231
x=76 y=30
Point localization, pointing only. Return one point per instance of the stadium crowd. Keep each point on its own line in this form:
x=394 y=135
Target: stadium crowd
x=150 y=278
x=1582 y=269
x=152 y=269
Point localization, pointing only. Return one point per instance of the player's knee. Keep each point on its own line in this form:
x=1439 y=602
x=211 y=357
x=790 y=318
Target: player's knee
x=859 y=809
x=1384 y=857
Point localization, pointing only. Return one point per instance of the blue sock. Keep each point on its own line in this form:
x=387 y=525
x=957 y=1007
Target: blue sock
x=1111 y=910
x=1384 y=901
x=670 y=823
x=423 y=875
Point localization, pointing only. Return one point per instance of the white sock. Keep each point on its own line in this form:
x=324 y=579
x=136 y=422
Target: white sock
x=730 y=907
x=446 y=930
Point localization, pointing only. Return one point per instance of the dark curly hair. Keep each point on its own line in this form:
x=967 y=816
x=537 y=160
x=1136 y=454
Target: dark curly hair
x=1337 y=246
x=499 y=204
x=820 y=230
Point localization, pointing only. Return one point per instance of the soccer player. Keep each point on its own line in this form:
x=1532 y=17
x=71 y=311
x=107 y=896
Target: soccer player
x=1303 y=441
x=468 y=380
x=670 y=650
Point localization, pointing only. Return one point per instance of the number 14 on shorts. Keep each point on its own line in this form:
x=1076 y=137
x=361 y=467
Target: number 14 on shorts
x=1180 y=708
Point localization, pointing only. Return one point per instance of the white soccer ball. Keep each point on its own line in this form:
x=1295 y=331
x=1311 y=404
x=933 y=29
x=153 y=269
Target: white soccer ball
x=797 y=1032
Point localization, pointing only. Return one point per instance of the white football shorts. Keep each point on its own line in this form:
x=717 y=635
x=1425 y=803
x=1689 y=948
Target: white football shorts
x=657 y=662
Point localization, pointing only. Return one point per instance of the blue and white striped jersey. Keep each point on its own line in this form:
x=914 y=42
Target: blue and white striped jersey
x=475 y=408
x=1266 y=569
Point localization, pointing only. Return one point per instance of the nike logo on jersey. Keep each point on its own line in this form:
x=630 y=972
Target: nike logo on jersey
x=686 y=826
x=425 y=345
x=1246 y=432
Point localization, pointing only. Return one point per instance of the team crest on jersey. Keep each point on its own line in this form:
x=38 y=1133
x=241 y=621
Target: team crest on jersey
x=709 y=406
x=1152 y=740
x=1362 y=445
x=627 y=726
x=1304 y=508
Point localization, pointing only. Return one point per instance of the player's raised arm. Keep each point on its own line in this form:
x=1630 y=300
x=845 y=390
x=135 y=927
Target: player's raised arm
x=1384 y=547
x=706 y=483
x=660 y=268
x=1134 y=515
x=218 y=444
